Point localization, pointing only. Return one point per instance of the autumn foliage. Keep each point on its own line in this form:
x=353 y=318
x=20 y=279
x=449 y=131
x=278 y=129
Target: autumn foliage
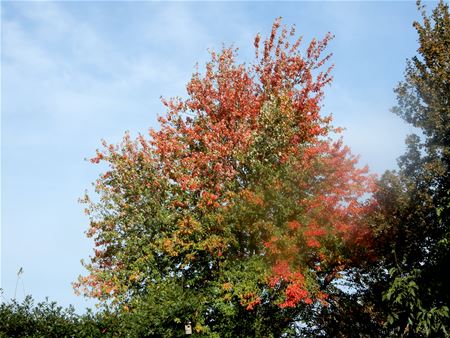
x=241 y=196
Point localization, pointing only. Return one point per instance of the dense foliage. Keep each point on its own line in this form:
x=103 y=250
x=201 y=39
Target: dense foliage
x=415 y=202
x=47 y=319
x=241 y=210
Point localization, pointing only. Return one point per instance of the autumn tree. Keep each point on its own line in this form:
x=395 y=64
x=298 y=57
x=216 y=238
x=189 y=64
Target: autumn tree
x=241 y=212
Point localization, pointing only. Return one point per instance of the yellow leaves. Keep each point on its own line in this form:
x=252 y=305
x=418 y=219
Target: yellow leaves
x=188 y=225
x=198 y=328
x=190 y=237
x=190 y=257
x=215 y=244
x=227 y=297
x=227 y=289
x=133 y=277
x=169 y=247
x=286 y=106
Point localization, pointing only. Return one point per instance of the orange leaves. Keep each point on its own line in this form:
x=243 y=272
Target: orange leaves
x=251 y=305
x=97 y=159
x=250 y=300
x=227 y=286
x=312 y=234
x=95 y=286
x=314 y=231
x=281 y=269
x=169 y=247
x=313 y=243
x=293 y=225
x=297 y=288
x=252 y=198
x=271 y=245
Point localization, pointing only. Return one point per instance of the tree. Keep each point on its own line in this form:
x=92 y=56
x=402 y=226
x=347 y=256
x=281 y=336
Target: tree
x=413 y=232
x=241 y=212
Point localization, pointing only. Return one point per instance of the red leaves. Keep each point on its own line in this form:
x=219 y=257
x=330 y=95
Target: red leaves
x=226 y=102
x=294 y=294
x=256 y=44
x=332 y=211
x=295 y=291
x=209 y=199
x=240 y=169
x=97 y=158
x=313 y=243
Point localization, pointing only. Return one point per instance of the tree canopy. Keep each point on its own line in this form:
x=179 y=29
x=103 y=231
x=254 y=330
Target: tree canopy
x=241 y=208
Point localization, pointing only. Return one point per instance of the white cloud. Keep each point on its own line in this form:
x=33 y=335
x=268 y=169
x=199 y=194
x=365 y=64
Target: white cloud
x=68 y=73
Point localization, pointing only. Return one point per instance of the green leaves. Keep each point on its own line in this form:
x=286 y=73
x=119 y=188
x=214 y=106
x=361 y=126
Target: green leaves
x=47 y=319
x=406 y=310
x=417 y=292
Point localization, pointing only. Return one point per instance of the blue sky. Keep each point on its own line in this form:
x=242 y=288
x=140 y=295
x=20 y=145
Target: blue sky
x=73 y=73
